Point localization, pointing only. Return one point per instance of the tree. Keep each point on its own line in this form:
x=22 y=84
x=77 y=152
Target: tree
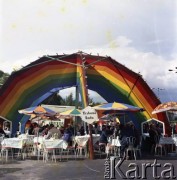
x=3 y=77
x=69 y=101
x=54 y=99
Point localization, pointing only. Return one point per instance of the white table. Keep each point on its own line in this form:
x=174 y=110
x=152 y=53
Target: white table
x=39 y=139
x=168 y=141
x=51 y=143
x=17 y=143
x=55 y=144
x=82 y=140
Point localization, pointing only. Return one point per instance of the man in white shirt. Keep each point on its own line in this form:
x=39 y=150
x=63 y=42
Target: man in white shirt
x=53 y=131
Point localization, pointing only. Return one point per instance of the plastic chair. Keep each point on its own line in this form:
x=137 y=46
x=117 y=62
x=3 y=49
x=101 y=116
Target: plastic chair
x=71 y=148
x=46 y=152
x=113 y=147
x=159 y=147
x=82 y=148
x=5 y=150
x=102 y=148
x=138 y=147
x=131 y=148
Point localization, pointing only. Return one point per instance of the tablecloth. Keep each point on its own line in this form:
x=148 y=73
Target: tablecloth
x=18 y=143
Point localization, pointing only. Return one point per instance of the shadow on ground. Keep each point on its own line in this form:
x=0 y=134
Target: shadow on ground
x=4 y=171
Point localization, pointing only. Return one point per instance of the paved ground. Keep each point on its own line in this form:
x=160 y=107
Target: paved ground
x=80 y=169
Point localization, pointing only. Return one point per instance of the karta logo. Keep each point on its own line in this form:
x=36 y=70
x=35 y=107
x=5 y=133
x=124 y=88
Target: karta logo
x=114 y=170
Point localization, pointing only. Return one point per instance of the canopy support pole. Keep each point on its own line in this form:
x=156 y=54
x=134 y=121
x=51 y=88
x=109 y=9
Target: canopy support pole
x=85 y=102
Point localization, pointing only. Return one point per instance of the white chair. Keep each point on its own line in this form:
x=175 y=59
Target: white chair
x=1 y=139
x=159 y=147
x=47 y=151
x=113 y=147
x=138 y=147
x=102 y=148
x=71 y=148
x=4 y=154
x=130 y=148
x=81 y=148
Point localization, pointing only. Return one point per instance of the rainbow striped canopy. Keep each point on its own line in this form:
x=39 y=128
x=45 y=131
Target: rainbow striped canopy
x=114 y=82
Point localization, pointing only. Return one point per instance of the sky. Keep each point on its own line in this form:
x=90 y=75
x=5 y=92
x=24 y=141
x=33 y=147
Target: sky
x=140 y=34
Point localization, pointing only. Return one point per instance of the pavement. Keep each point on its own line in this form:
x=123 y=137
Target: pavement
x=85 y=169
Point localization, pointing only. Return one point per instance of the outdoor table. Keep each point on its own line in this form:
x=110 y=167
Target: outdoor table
x=39 y=139
x=55 y=143
x=168 y=141
x=15 y=143
x=51 y=143
x=83 y=139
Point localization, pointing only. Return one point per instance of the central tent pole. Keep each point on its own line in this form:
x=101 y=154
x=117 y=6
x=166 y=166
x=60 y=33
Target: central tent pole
x=85 y=103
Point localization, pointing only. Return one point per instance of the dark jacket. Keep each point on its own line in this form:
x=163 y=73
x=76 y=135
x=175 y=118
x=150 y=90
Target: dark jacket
x=104 y=137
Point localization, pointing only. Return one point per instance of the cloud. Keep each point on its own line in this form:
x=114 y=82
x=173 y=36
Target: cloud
x=139 y=34
x=154 y=68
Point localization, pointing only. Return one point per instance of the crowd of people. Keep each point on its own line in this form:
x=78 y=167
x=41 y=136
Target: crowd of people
x=122 y=132
x=49 y=131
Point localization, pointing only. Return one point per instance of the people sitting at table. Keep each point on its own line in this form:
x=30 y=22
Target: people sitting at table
x=126 y=131
x=36 y=130
x=82 y=131
x=62 y=130
x=46 y=129
x=71 y=128
x=30 y=129
x=53 y=131
x=153 y=136
x=159 y=130
x=67 y=136
x=104 y=135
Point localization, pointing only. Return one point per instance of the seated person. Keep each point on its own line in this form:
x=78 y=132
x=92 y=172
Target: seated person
x=82 y=131
x=153 y=134
x=104 y=136
x=45 y=130
x=67 y=136
x=52 y=131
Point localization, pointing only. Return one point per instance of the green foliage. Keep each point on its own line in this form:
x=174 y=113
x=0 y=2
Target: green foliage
x=3 y=77
x=56 y=99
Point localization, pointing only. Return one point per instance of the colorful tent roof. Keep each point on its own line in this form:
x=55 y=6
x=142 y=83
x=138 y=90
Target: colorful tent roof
x=110 y=79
